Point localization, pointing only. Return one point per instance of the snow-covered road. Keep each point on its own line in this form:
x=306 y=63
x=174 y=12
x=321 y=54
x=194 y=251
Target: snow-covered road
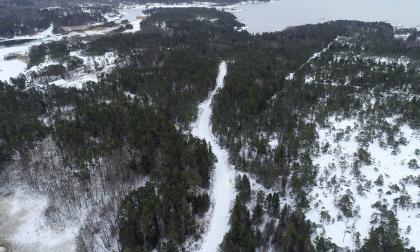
x=222 y=187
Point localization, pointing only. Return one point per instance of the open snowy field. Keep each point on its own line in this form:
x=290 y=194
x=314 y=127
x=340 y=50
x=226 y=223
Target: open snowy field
x=23 y=224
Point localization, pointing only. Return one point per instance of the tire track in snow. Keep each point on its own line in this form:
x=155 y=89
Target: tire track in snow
x=223 y=177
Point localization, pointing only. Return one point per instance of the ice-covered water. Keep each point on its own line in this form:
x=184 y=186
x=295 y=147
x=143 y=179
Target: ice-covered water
x=13 y=67
x=280 y=14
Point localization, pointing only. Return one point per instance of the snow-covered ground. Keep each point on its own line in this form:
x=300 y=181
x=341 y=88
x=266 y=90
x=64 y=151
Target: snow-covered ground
x=337 y=177
x=223 y=178
x=93 y=66
x=13 y=67
x=60 y=214
x=24 y=226
x=388 y=179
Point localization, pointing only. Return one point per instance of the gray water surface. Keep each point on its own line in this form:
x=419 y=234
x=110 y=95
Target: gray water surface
x=280 y=14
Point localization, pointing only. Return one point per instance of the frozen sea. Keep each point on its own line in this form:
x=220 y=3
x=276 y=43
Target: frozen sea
x=280 y=14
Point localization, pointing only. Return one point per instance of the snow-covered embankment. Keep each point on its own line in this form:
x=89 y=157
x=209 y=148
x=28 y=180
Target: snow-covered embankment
x=223 y=177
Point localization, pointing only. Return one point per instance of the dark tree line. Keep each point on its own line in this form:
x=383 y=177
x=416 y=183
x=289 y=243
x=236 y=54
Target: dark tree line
x=19 y=120
x=29 y=19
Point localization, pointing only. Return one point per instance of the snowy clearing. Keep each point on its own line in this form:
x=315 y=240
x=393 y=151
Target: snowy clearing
x=24 y=226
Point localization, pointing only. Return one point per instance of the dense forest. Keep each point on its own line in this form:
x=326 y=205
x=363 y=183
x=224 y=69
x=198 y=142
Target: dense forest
x=124 y=143
x=127 y=134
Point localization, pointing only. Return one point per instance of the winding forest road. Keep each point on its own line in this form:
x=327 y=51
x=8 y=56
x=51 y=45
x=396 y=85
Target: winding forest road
x=222 y=187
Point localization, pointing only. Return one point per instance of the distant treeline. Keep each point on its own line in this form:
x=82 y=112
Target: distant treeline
x=30 y=20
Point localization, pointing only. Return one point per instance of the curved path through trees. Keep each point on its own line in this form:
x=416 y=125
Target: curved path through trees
x=223 y=177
